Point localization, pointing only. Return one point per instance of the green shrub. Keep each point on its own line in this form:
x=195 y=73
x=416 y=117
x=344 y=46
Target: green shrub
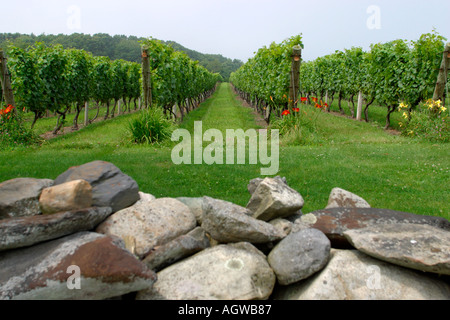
x=12 y=131
x=299 y=128
x=430 y=122
x=152 y=126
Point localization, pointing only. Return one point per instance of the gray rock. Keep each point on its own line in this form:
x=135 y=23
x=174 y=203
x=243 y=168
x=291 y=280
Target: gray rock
x=340 y=198
x=27 y=231
x=150 y=224
x=175 y=250
x=274 y=199
x=227 y=222
x=299 y=255
x=196 y=206
x=284 y=226
x=224 y=272
x=72 y=195
x=353 y=275
x=20 y=197
x=253 y=184
x=110 y=186
x=419 y=247
x=83 y=266
x=334 y=222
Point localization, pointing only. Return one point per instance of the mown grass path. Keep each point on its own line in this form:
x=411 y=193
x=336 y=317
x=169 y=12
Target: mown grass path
x=222 y=111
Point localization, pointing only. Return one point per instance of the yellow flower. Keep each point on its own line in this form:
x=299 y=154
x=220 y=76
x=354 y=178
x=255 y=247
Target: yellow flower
x=402 y=106
x=405 y=115
x=443 y=109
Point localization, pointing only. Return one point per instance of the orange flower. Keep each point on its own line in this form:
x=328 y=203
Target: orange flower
x=314 y=99
x=285 y=113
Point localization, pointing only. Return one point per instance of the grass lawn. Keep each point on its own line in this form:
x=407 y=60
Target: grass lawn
x=388 y=171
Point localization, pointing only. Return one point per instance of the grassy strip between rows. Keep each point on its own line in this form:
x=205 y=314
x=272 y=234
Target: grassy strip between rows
x=388 y=171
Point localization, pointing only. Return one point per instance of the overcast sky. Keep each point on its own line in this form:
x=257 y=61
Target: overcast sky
x=235 y=28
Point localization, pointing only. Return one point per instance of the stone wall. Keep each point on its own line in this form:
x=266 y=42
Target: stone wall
x=91 y=234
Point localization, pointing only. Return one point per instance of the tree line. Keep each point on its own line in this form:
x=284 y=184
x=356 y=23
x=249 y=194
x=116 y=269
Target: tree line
x=118 y=47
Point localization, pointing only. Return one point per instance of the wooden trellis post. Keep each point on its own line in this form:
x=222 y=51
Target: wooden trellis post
x=295 y=77
x=442 y=77
x=146 y=79
x=5 y=79
x=359 y=109
x=86 y=114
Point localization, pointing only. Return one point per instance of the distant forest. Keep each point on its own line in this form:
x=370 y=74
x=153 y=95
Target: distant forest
x=119 y=47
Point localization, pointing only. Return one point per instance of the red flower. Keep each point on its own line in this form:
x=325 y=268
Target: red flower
x=318 y=106
x=9 y=109
x=314 y=99
x=304 y=99
x=285 y=113
x=296 y=109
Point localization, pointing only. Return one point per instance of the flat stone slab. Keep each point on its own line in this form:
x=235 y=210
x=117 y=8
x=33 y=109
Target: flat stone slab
x=20 y=197
x=415 y=246
x=82 y=266
x=335 y=221
x=27 y=231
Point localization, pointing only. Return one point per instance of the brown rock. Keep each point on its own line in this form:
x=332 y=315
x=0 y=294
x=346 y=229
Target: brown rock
x=72 y=195
x=340 y=198
x=48 y=271
x=334 y=222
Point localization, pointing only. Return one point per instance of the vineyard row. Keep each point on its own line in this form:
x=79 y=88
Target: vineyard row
x=53 y=79
x=388 y=74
